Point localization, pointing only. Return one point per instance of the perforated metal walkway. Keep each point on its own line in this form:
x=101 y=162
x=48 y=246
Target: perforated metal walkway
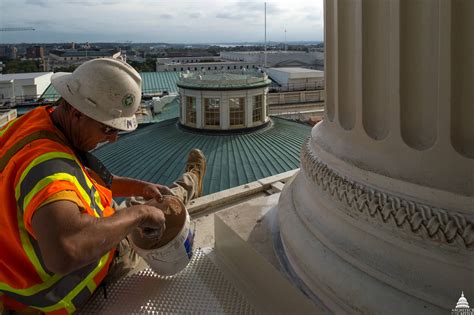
x=199 y=289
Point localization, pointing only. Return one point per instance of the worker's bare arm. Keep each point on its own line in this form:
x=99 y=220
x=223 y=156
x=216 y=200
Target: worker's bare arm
x=128 y=187
x=69 y=240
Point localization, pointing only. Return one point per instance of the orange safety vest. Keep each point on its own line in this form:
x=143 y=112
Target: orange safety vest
x=35 y=163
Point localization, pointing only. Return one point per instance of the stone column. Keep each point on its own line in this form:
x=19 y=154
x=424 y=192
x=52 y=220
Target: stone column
x=381 y=217
x=265 y=109
x=199 y=110
x=182 y=104
x=224 y=111
x=248 y=109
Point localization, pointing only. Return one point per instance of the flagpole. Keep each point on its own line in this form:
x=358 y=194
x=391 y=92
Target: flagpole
x=265 y=52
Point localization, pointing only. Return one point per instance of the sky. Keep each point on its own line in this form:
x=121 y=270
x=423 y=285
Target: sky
x=170 y=21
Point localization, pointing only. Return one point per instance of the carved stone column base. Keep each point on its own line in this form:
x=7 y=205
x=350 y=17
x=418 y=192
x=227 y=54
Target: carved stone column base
x=364 y=249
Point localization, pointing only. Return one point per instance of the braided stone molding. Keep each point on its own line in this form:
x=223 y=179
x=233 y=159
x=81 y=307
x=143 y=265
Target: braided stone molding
x=424 y=221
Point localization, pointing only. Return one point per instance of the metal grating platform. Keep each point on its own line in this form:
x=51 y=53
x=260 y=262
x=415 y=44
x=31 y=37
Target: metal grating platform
x=199 y=289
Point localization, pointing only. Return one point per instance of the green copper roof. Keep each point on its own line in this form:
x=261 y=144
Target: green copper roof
x=228 y=80
x=50 y=93
x=152 y=82
x=157 y=153
x=159 y=82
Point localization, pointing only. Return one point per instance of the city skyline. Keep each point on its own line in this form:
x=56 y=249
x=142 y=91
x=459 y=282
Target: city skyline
x=142 y=21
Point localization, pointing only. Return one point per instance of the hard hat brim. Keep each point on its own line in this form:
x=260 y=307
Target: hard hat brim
x=61 y=81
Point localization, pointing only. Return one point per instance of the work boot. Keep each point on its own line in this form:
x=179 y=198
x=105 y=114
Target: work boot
x=196 y=164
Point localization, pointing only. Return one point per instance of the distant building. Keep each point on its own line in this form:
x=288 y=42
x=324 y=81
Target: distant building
x=83 y=54
x=68 y=57
x=13 y=54
x=187 y=52
x=296 y=93
x=294 y=79
x=188 y=59
x=22 y=87
x=8 y=51
x=35 y=52
x=312 y=59
x=208 y=63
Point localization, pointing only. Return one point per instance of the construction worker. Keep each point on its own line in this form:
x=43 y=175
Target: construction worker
x=61 y=235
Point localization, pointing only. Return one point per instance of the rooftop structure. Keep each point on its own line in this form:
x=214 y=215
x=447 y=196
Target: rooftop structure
x=296 y=75
x=224 y=100
x=159 y=109
x=157 y=153
x=313 y=60
x=224 y=80
x=201 y=64
x=23 y=76
x=296 y=79
x=69 y=57
x=181 y=60
x=20 y=87
x=83 y=54
x=158 y=82
x=219 y=65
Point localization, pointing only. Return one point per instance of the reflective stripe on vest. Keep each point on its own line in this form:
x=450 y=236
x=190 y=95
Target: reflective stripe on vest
x=60 y=292
x=51 y=167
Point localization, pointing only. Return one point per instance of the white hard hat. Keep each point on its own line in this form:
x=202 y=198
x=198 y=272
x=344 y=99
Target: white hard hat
x=104 y=89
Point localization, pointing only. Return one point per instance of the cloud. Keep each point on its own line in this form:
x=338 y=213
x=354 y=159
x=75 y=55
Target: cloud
x=258 y=7
x=196 y=15
x=90 y=3
x=166 y=16
x=250 y=6
x=313 y=17
x=206 y=20
x=230 y=16
x=75 y=2
x=110 y=2
x=248 y=10
x=39 y=3
x=274 y=9
x=39 y=22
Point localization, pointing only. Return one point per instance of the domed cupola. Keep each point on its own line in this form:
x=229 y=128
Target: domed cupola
x=223 y=101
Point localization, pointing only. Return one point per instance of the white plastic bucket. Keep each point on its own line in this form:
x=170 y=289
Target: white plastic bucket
x=174 y=256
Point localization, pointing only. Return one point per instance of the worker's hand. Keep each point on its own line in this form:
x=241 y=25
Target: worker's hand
x=155 y=191
x=152 y=223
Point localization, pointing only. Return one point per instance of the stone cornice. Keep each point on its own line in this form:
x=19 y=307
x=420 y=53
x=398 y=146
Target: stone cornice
x=418 y=219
